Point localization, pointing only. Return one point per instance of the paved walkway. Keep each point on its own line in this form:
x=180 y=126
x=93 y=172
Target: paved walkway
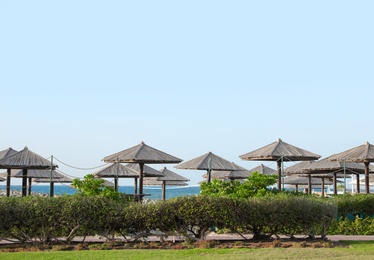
x=214 y=236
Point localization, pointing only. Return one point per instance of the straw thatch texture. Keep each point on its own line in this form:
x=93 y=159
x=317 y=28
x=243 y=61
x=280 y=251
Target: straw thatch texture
x=154 y=182
x=232 y=175
x=33 y=173
x=7 y=152
x=327 y=165
x=209 y=161
x=142 y=153
x=147 y=171
x=297 y=168
x=116 y=169
x=263 y=169
x=297 y=180
x=278 y=150
x=171 y=176
x=25 y=159
x=58 y=178
x=362 y=153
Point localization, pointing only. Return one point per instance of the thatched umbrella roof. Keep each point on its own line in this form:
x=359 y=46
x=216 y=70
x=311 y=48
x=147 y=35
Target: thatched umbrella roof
x=334 y=168
x=303 y=180
x=141 y=154
x=116 y=170
x=58 y=178
x=25 y=160
x=232 y=175
x=147 y=170
x=360 y=154
x=34 y=173
x=297 y=168
x=2 y=179
x=169 y=178
x=209 y=162
x=241 y=174
x=263 y=170
x=154 y=182
x=7 y=152
x=279 y=151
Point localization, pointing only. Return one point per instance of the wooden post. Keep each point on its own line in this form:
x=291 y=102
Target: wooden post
x=335 y=184
x=29 y=187
x=135 y=185
x=323 y=187
x=24 y=182
x=279 y=165
x=8 y=182
x=358 y=183
x=367 y=177
x=116 y=184
x=141 y=166
x=163 y=190
x=51 y=189
x=309 y=184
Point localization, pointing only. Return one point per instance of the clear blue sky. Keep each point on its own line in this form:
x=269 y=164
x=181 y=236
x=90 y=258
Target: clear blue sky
x=84 y=79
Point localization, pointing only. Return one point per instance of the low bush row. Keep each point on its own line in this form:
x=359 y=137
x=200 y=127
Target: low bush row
x=63 y=218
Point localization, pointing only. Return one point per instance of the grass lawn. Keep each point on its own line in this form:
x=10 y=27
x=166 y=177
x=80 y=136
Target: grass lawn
x=357 y=250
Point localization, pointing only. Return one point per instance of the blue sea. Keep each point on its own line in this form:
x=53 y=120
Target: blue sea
x=153 y=192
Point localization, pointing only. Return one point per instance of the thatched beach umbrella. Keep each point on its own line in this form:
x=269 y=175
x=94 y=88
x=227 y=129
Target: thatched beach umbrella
x=57 y=178
x=297 y=168
x=141 y=154
x=35 y=174
x=299 y=180
x=209 y=162
x=25 y=160
x=116 y=170
x=241 y=174
x=334 y=168
x=3 y=154
x=279 y=151
x=360 y=154
x=263 y=170
x=170 y=178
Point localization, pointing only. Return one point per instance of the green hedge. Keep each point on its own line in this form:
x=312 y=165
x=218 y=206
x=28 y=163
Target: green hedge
x=63 y=218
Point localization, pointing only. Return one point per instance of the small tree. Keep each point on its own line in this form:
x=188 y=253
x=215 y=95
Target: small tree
x=91 y=186
x=255 y=185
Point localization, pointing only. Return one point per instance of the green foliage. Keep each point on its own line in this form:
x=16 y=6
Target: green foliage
x=66 y=217
x=359 y=226
x=255 y=185
x=91 y=186
x=357 y=204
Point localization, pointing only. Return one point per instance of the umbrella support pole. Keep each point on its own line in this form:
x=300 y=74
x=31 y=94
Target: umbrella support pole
x=141 y=166
x=135 y=185
x=163 y=190
x=29 y=187
x=367 y=177
x=24 y=182
x=309 y=184
x=335 y=184
x=8 y=182
x=279 y=166
x=358 y=183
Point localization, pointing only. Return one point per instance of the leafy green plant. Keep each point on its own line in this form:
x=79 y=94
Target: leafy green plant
x=255 y=185
x=91 y=186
